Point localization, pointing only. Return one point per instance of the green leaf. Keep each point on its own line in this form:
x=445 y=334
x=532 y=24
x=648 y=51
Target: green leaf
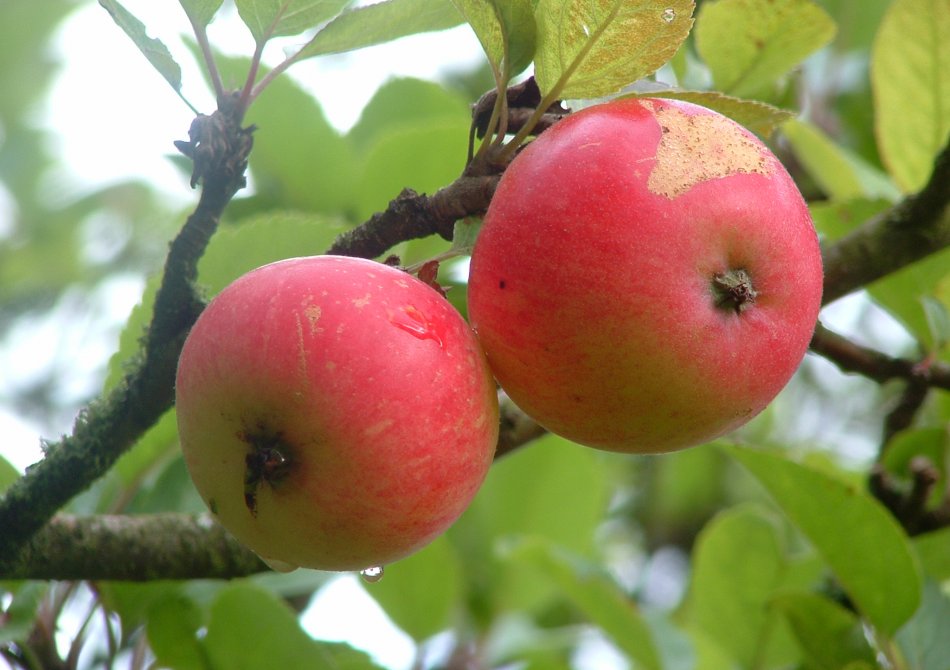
x=833 y=220
x=937 y=314
x=906 y=292
x=728 y=604
x=158 y=440
x=172 y=630
x=19 y=617
x=925 y=640
x=252 y=628
x=153 y=49
x=839 y=172
x=381 y=22
x=521 y=34
x=710 y=654
x=464 y=235
x=684 y=488
x=861 y=542
x=263 y=239
x=486 y=23
x=910 y=78
x=531 y=492
x=506 y=31
x=8 y=474
x=130 y=339
x=830 y=635
x=749 y=44
x=133 y=601
x=933 y=550
x=857 y=22
x=589 y=50
x=299 y=160
x=424 y=156
x=168 y=487
x=594 y=593
x=759 y=117
x=405 y=102
x=825 y=161
x=930 y=443
x=420 y=593
x=273 y=18
x=200 y=12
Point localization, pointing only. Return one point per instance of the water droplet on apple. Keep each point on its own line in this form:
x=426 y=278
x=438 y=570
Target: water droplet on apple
x=415 y=323
x=373 y=574
x=668 y=15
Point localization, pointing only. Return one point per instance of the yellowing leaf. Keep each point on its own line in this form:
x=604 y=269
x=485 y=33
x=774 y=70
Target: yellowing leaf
x=842 y=174
x=910 y=79
x=748 y=44
x=825 y=161
x=759 y=117
x=591 y=49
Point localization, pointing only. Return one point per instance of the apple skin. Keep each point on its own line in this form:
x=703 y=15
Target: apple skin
x=334 y=413
x=593 y=285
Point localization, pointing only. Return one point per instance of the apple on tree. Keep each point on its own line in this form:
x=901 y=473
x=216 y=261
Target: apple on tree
x=647 y=277
x=334 y=413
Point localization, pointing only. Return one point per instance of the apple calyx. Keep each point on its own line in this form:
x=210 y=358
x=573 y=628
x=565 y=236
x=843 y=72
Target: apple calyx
x=733 y=290
x=267 y=462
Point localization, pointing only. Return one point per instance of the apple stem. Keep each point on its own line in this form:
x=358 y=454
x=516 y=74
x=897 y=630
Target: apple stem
x=733 y=290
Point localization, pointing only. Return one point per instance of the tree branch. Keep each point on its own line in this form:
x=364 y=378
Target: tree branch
x=908 y=502
x=852 y=357
x=169 y=545
x=134 y=548
x=916 y=227
x=411 y=216
x=109 y=426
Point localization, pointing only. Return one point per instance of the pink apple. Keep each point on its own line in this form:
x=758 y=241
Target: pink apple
x=647 y=277
x=334 y=413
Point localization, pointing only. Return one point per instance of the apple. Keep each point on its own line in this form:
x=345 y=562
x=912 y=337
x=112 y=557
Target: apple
x=647 y=277
x=334 y=413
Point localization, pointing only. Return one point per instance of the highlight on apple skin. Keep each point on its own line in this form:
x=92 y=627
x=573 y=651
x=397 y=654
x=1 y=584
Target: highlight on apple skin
x=334 y=413
x=647 y=277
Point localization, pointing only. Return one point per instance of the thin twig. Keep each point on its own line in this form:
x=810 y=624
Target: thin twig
x=850 y=356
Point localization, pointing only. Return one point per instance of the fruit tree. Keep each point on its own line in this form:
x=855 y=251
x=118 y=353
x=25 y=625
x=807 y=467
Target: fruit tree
x=627 y=346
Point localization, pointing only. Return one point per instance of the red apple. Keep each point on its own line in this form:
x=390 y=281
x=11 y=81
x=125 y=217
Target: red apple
x=647 y=277
x=334 y=413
